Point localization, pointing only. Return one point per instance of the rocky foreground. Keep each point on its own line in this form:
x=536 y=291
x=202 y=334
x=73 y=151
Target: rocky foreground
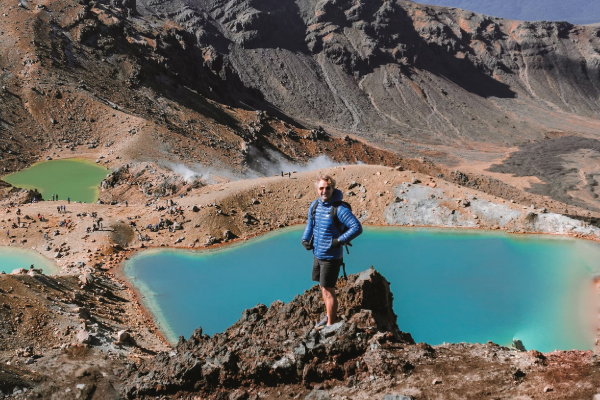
x=274 y=352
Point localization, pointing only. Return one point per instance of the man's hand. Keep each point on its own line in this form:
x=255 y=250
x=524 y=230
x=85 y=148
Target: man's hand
x=335 y=243
x=307 y=245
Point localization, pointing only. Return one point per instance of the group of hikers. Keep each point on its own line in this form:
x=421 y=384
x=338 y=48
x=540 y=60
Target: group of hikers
x=55 y=198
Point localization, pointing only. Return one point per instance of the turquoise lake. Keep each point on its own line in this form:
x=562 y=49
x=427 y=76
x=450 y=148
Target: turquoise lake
x=448 y=285
x=12 y=258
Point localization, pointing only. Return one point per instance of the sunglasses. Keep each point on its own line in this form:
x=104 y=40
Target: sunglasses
x=325 y=188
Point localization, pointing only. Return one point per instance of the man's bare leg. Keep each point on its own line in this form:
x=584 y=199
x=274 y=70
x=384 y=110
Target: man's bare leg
x=331 y=304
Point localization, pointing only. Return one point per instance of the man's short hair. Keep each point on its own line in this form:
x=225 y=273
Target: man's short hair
x=326 y=178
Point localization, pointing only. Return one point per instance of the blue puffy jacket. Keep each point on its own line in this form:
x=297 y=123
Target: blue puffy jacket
x=324 y=230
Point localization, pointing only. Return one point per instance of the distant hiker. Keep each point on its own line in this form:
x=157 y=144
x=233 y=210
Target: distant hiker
x=282 y=174
x=330 y=226
x=7 y=233
x=126 y=203
x=68 y=200
x=58 y=209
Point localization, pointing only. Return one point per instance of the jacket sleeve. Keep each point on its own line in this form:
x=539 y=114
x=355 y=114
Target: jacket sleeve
x=310 y=224
x=351 y=222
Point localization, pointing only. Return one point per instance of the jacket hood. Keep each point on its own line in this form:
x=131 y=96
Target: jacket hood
x=337 y=196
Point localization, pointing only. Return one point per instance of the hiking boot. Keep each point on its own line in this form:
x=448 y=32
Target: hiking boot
x=321 y=324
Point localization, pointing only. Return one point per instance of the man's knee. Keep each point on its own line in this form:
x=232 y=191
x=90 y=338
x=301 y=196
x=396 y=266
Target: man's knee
x=328 y=291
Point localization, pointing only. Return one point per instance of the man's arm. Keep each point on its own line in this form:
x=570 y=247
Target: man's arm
x=310 y=224
x=354 y=226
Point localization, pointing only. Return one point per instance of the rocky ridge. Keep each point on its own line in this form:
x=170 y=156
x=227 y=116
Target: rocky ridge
x=275 y=345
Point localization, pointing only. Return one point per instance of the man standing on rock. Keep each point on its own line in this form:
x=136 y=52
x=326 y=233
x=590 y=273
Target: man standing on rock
x=330 y=226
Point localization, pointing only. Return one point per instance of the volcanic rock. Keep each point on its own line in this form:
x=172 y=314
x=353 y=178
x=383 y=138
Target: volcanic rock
x=83 y=336
x=278 y=344
x=86 y=278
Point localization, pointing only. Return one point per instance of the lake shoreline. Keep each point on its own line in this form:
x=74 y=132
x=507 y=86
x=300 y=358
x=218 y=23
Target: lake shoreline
x=136 y=297
x=227 y=246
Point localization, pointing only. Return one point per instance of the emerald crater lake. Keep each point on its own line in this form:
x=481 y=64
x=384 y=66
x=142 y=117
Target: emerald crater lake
x=12 y=258
x=74 y=178
x=448 y=285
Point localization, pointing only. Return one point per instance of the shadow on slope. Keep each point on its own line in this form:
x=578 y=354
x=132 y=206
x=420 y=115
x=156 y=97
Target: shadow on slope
x=548 y=160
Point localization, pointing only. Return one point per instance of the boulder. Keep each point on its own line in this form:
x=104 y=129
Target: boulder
x=518 y=345
x=18 y=271
x=25 y=352
x=124 y=337
x=83 y=312
x=86 y=278
x=83 y=337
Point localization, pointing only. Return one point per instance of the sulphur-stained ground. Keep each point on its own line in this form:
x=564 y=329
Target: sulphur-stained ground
x=81 y=333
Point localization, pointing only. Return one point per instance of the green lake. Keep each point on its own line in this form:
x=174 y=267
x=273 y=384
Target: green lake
x=12 y=258
x=75 y=178
x=448 y=285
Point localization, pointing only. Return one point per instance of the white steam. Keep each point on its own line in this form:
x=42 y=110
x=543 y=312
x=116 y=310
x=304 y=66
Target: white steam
x=275 y=164
x=319 y=162
x=261 y=166
x=189 y=174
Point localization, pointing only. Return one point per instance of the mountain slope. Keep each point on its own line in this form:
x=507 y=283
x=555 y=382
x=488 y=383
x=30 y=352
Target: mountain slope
x=181 y=80
x=453 y=85
x=406 y=69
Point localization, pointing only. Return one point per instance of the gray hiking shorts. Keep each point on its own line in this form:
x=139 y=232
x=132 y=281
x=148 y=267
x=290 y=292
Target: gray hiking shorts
x=326 y=272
